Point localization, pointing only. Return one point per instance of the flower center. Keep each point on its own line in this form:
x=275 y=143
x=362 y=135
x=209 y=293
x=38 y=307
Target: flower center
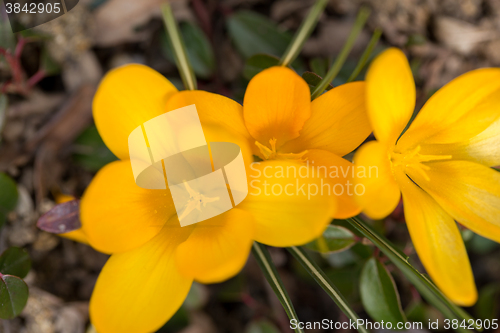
x=195 y=201
x=414 y=160
x=272 y=154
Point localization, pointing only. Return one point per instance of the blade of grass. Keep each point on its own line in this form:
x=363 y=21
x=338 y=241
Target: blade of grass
x=181 y=59
x=366 y=54
x=424 y=286
x=266 y=265
x=341 y=58
x=325 y=283
x=303 y=33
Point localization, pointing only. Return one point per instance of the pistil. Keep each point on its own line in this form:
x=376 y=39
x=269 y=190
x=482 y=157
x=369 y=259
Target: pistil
x=414 y=160
x=272 y=154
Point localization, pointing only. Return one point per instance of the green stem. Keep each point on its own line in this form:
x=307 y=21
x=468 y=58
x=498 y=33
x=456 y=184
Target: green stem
x=425 y=286
x=325 y=283
x=303 y=33
x=341 y=58
x=266 y=265
x=366 y=54
x=181 y=59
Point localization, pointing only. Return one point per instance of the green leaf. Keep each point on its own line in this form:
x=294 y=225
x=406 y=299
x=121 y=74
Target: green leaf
x=257 y=63
x=322 y=279
x=319 y=66
x=8 y=194
x=423 y=284
x=480 y=245
x=3 y=112
x=379 y=294
x=363 y=14
x=334 y=239
x=269 y=270
x=196 y=298
x=7 y=40
x=487 y=302
x=48 y=63
x=13 y=296
x=179 y=48
x=253 y=33
x=262 y=326
x=313 y=80
x=366 y=54
x=198 y=48
x=15 y=261
x=90 y=151
x=303 y=32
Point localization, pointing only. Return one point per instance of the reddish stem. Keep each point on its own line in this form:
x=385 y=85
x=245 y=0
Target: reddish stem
x=37 y=77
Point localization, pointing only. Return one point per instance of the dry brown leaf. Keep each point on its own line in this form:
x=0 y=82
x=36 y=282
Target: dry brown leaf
x=461 y=36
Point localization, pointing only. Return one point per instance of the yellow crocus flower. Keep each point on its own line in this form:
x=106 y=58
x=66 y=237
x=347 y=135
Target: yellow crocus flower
x=154 y=261
x=441 y=165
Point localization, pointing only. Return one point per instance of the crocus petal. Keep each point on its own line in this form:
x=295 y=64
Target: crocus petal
x=277 y=103
x=373 y=172
x=460 y=110
x=468 y=191
x=338 y=123
x=390 y=95
x=439 y=244
x=117 y=215
x=220 y=117
x=286 y=203
x=483 y=148
x=339 y=174
x=126 y=98
x=139 y=290
x=212 y=109
x=218 y=248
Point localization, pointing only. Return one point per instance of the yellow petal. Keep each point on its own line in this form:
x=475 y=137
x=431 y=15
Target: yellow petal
x=126 y=98
x=286 y=203
x=338 y=172
x=468 y=191
x=390 y=94
x=460 y=110
x=139 y=290
x=338 y=123
x=218 y=248
x=277 y=103
x=373 y=172
x=439 y=244
x=117 y=215
x=220 y=117
x=212 y=109
x=483 y=148
x=76 y=235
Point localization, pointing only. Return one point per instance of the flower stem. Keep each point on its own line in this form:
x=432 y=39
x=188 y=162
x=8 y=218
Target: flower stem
x=366 y=54
x=325 y=283
x=303 y=33
x=341 y=58
x=181 y=59
x=425 y=286
x=266 y=265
